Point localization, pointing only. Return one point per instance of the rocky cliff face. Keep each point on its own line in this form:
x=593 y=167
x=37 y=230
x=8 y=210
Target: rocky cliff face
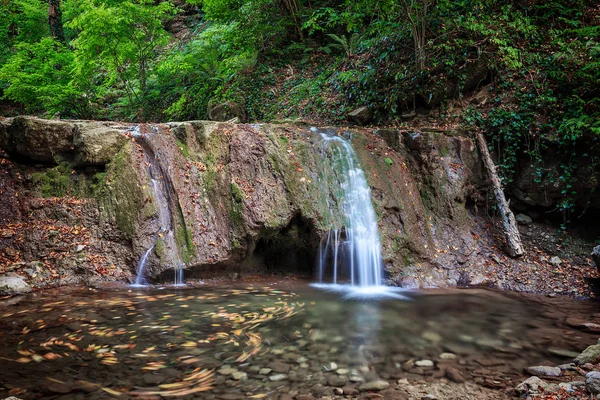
x=242 y=198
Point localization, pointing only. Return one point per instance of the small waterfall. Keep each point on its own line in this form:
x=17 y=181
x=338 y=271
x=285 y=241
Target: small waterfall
x=161 y=189
x=140 y=279
x=353 y=250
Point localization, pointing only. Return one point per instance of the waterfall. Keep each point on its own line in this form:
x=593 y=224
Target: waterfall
x=161 y=189
x=352 y=250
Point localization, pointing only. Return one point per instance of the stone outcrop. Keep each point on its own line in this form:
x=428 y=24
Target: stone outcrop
x=40 y=140
x=242 y=198
x=96 y=144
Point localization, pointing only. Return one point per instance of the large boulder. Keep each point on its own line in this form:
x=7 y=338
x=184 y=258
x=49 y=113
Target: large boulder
x=596 y=256
x=96 y=144
x=11 y=285
x=41 y=140
x=227 y=111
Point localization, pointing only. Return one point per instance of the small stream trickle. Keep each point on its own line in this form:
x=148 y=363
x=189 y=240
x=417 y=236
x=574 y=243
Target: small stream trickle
x=161 y=191
x=351 y=251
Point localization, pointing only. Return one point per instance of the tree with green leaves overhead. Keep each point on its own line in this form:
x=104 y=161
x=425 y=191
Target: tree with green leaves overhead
x=117 y=43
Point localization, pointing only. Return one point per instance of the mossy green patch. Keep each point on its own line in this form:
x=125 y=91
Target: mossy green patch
x=121 y=197
x=236 y=208
x=185 y=150
x=61 y=181
x=183 y=238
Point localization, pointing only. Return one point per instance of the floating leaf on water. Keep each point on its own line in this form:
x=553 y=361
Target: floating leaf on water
x=112 y=392
x=191 y=360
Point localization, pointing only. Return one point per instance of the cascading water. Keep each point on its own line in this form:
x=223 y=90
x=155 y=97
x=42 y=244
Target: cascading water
x=161 y=191
x=350 y=252
x=354 y=249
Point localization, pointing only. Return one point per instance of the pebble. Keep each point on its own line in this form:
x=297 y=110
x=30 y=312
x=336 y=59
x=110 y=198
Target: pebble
x=431 y=336
x=265 y=371
x=336 y=380
x=424 y=363
x=226 y=370
x=240 y=376
x=374 y=385
x=279 y=367
x=543 y=370
x=429 y=397
x=454 y=375
x=342 y=371
x=349 y=390
x=448 y=356
x=277 y=377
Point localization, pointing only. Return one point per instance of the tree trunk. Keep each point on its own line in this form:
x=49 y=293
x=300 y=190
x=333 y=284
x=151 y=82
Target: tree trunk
x=55 y=20
x=513 y=238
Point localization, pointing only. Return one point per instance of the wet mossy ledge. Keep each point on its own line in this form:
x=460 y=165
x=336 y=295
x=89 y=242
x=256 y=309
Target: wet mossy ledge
x=248 y=198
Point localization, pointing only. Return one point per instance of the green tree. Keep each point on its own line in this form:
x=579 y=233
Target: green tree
x=39 y=76
x=117 y=43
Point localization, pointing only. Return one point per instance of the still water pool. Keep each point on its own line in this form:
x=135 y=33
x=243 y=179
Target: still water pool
x=265 y=339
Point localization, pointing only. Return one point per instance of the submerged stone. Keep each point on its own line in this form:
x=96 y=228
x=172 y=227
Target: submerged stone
x=374 y=385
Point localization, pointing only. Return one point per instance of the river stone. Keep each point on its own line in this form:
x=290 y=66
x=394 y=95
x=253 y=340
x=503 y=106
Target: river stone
x=277 y=377
x=596 y=256
x=590 y=355
x=96 y=144
x=424 y=363
x=265 y=371
x=336 y=380
x=240 y=376
x=12 y=285
x=448 y=356
x=592 y=381
x=432 y=336
x=41 y=140
x=454 y=375
x=543 y=371
x=374 y=385
x=226 y=370
x=523 y=219
x=279 y=367
x=533 y=385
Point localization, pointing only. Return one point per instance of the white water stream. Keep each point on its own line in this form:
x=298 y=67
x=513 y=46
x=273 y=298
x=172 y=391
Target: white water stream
x=160 y=189
x=351 y=253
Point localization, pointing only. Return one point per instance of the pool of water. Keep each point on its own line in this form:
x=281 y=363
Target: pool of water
x=261 y=340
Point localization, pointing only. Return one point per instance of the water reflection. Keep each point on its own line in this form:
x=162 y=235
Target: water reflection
x=244 y=341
